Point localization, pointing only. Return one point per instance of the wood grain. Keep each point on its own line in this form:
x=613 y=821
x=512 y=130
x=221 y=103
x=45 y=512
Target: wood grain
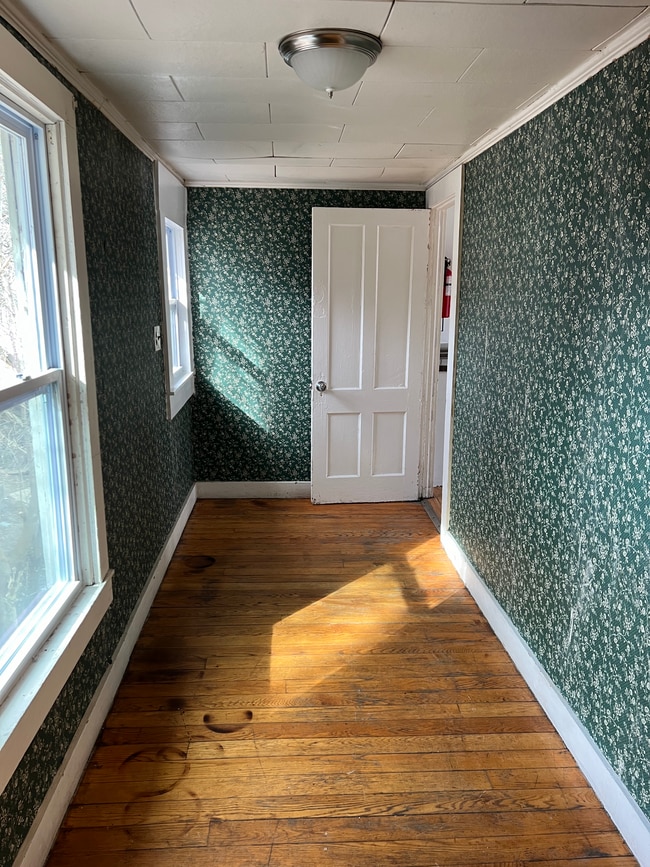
x=314 y=686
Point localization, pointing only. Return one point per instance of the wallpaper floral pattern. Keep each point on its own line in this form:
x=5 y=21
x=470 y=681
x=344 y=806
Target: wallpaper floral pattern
x=250 y=271
x=146 y=460
x=551 y=470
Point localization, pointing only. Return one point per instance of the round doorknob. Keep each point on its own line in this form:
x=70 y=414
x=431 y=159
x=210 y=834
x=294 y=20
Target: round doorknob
x=321 y=386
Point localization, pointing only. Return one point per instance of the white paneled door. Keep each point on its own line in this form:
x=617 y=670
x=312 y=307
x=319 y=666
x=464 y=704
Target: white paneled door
x=369 y=289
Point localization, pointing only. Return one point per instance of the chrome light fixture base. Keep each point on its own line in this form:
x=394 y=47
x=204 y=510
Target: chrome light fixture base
x=330 y=59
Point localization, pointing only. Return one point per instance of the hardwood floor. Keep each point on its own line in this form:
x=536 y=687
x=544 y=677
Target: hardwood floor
x=315 y=686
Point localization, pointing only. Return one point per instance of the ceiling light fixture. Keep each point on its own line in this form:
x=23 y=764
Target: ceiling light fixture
x=330 y=59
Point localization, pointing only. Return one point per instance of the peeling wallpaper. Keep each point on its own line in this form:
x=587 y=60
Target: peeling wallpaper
x=250 y=271
x=550 y=493
x=146 y=460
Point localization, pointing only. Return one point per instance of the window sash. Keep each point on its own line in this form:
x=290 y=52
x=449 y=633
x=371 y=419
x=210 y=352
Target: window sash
x=177 y=305
x=27 y=183
x=48 y=525
x=41 y=569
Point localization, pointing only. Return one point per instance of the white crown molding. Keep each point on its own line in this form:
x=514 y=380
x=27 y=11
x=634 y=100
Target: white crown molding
x=283 y=185
x=625 y=40
x=27 y=27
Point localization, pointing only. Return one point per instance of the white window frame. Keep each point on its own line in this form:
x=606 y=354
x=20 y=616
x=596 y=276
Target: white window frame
x=31 y=87
x=172 y=233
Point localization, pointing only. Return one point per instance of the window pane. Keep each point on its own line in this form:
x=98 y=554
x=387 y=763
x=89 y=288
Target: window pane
x=22 y=347
x=174 y=334
x=175 y=241
x=35 y=549
x=172 y=264
x=177 y=328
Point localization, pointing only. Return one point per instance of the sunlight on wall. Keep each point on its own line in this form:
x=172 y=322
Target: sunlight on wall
x=232 y=332
x=237 y=366
x=239 y=387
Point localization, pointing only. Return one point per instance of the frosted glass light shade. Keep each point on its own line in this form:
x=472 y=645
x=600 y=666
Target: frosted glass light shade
x=330 y=69
x=330 y=60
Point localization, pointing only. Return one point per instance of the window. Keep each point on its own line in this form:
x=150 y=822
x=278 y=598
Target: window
x=178 y=323
x=37 y=563
x=177 y=306
x=54 y=577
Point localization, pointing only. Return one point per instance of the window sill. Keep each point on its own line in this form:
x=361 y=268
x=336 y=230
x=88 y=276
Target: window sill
x=23 y=711
x=182 y=392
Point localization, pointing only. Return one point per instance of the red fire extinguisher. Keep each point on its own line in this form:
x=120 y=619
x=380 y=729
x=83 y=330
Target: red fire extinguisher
x=446 y=296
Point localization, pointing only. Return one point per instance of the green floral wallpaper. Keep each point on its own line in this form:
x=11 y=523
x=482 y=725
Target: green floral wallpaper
x=551 y=467
x=250 y=270
x=146 y=460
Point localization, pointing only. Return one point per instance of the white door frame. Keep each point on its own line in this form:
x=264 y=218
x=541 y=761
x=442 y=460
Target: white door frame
x=447 y=193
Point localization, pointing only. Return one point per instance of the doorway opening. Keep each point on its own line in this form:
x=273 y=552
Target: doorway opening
x=442 y=390
x=445 y=201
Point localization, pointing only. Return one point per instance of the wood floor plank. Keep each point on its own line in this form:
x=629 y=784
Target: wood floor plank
x=176 y=729
x=435 y=676
x=446 y=852
x=595 y=861
x=219 y=761
x=244 y=807
x=259 y=856
x=186 y=833
x=187 y=748
x=391 y=828
x=268 y=698
x=216 y=780
x=315 y=686
x=302 y=681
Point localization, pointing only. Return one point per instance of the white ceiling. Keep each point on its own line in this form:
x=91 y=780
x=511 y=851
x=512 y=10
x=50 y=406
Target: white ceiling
x=203 y=83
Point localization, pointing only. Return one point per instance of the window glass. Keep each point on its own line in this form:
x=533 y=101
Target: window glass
x=177 y=303
x=173 y=280
x=171 y=200
x=37 y=569
x=22 y=344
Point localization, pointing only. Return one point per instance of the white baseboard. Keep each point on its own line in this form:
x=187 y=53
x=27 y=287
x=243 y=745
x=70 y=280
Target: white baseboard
x=255 y=490
x=633 y=825
x=41 y=836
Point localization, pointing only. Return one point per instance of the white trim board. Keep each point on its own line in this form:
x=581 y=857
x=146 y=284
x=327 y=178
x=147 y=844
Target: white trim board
x=315 y=185
x=633 y=825
x=36 y=847
x=255 y=490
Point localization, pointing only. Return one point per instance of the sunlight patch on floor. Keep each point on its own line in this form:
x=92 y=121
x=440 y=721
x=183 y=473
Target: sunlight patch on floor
x=351 y=621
